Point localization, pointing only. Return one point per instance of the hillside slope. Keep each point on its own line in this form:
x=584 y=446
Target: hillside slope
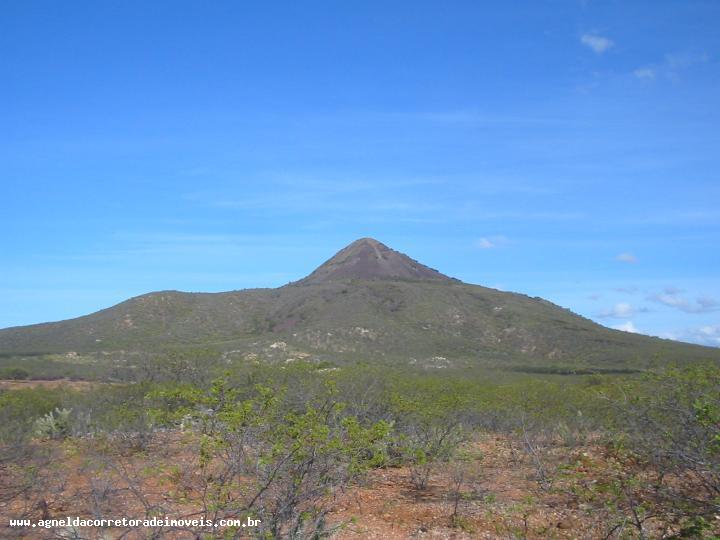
x=366 y=302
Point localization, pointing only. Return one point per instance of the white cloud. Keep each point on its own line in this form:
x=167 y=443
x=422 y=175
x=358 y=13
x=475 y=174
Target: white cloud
x=622 y=310
x=669 y=300
x=627 y=327
x=627 y=258
x=670 y=67
x=671 y=297
x=599 y=44
x=709 y=335
x=485 y=243
x=490 y=242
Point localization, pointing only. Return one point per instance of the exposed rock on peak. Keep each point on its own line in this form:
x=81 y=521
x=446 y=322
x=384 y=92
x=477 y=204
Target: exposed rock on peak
x=368 y=259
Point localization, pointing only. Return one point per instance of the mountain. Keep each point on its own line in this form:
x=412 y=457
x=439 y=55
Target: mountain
x=368 y=259
x=366 y=302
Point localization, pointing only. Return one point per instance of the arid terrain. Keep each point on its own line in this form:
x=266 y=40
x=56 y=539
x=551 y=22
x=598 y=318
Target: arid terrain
x=494 y=492
x=444 y=458
x=376 y=398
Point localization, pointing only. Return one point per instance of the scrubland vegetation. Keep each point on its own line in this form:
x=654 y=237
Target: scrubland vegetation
x=314 y=451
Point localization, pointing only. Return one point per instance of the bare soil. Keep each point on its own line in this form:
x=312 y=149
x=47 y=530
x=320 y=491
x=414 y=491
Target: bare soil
x=11 y=384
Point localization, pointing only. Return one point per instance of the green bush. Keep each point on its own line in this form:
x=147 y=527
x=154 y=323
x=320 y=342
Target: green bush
x=262 y=459
x=671 y=419
x=53 y=425
x=430 y=416
x=20 y=408
x=14 y=373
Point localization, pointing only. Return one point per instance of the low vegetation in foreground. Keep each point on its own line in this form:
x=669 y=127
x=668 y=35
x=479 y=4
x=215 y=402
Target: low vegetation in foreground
x=314 y=451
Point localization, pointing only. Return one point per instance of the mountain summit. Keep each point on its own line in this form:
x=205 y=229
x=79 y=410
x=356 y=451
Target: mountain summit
x=368 y=259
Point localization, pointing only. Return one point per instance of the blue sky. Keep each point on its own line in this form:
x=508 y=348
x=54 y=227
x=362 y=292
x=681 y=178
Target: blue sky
x=564 y=149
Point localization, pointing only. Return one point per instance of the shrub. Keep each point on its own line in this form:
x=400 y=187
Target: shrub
x=429 y=420
x=20 y=408
x=259 y=459
x=671 y=421
x=53 y=425
x=14 y=373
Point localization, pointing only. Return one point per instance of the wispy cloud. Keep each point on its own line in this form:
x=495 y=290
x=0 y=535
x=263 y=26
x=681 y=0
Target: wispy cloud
x=672 y=297
x=647 y=73
x=599 y=44
x=381 y=199
x=447 y=117
x=627 y=258
x=490 y=242
x=626 y=290
x=485 y=243
x=671 y=66
x=676 y=61
x=672 y=218
x=470 y=213
x=708 y=335
x=621 y=310
x=308 y=195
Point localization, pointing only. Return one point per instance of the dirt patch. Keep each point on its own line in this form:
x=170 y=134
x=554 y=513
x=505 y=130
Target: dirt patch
x=7 y=384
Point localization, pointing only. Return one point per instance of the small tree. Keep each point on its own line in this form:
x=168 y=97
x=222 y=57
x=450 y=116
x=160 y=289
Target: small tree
x=671 y=421
x=430 y=427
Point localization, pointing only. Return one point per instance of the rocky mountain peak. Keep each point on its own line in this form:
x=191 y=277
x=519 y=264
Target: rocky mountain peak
x=369 y=259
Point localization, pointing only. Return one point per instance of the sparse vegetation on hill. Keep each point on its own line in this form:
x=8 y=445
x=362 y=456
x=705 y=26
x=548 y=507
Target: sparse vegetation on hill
x=366 y=302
